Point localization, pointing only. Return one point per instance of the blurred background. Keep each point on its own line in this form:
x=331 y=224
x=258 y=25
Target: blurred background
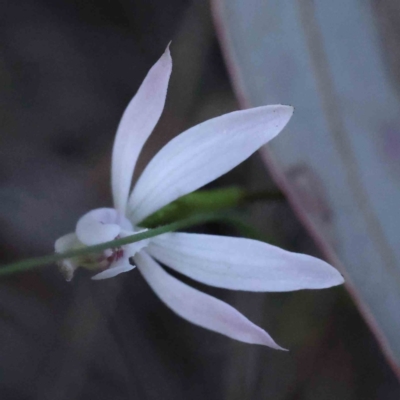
x=67 y=70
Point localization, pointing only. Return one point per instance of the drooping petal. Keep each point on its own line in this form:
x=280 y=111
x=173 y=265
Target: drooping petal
x=242 y=264
x=67 y=242
x=200 y=308
x=202 y=154
x=119 y=268
x=137 y=123
x=98 y=226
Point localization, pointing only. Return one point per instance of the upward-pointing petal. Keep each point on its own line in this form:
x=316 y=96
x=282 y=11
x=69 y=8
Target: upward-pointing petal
x=137 y=123
x=202 y=154
x=200 y=308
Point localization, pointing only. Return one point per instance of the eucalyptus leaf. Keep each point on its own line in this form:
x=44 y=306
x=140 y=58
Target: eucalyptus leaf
x=338 y=161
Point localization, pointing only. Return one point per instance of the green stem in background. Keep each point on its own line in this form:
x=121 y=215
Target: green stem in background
x=206 y=201
x=30 y=263
x=193 y=209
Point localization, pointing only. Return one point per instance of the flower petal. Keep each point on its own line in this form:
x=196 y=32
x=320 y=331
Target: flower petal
x=98 y=226
x=200 y=308
x=67 y=242
x=120 y=267
x=242 y=264
x=137 y=123
x=202 y=154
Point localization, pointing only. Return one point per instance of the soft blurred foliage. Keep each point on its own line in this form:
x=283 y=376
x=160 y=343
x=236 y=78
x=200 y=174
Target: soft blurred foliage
x=67 y=70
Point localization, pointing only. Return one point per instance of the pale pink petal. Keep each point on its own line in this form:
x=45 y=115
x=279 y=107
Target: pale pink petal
x=98 y=226
x=202 y=154
x=200 y=308
x=242 y=264
x=119 y=268
x=137 y=123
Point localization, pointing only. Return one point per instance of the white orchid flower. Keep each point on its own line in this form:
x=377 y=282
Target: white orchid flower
x=185 y=164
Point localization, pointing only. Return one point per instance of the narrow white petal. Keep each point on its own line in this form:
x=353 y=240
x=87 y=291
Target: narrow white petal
x=200 y=308
x=202 y=154
x=122 y=266
x=242 y=264
x=137 y=123
x=98 y=226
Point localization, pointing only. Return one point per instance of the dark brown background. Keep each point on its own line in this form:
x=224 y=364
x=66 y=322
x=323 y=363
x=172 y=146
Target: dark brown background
x=67 y=70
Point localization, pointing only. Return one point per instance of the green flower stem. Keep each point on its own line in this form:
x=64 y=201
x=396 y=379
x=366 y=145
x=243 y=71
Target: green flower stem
x=31 y=263
x=193 y=209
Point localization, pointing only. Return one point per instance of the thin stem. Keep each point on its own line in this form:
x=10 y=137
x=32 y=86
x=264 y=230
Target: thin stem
x=193 y=209
x=31 y=263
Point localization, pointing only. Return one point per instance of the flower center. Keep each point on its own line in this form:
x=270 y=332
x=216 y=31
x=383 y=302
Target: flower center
x=95 y=227
x=116 y=254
